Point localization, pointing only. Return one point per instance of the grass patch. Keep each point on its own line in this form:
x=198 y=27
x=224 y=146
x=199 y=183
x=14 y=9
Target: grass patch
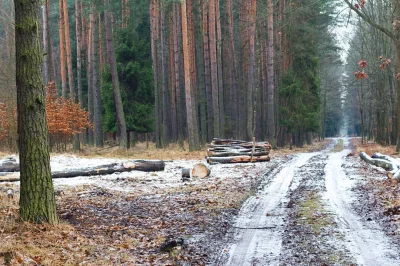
x=313 y=213
x=339 y=146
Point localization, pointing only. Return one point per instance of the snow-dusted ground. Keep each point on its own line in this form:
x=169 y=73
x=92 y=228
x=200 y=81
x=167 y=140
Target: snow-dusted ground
x=259 y=228
x=367 y=241
x=138 y=182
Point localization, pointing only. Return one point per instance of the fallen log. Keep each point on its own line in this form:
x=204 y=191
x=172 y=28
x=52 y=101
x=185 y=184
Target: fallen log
x=237 y=159
x=138 y=165
x=199 y=170
x=9 y=165
x=387 y=165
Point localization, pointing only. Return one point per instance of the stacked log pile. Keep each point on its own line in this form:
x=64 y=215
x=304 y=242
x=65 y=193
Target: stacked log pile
x=237 y=151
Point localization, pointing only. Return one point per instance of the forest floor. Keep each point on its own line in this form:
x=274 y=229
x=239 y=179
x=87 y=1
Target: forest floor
x=320 y=205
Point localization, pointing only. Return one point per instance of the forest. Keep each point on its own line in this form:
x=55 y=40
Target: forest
x=199 y=132
x=186 y=72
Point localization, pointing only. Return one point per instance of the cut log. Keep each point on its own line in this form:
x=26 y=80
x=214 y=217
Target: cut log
x=9 y=165
x=387 y=165
x=378 y=155
x=185 y=172
x=237 y=159
x=199 y=170
x=138 y=165
x=229 y=153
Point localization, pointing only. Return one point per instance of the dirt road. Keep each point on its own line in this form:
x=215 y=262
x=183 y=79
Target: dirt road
x=303 y=214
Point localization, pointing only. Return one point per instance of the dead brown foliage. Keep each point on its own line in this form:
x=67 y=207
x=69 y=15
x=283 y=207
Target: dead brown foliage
x=370 y=148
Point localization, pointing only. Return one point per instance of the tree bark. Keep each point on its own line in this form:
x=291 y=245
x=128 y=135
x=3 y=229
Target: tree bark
x=77 y=142
x=114 y=75
x=207 y=75
x=37 y=200
x=89 y=75
x=62 y=52
x=213 y=66
x=154 y=52
x=45 y=43
x=191 y=114
x=165 y=113
x=251 y=71
x=270 y=73
x=98 y=128
x=71 y=81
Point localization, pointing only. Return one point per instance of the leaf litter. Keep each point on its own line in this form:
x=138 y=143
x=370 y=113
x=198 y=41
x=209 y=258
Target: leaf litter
x=127 y=218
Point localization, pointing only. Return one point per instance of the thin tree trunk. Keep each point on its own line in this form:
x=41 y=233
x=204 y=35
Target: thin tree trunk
x=201 y=89
x=154 y=37
x=78 y=51
x=45 y=44
x=89 y=75
x=213 y=66
x=174 y=131
x=210 y=113
x=114 y=75
x=37 y=201
x=270 y=74
x=165 y=112
x=71 y=81
x=179 y=109
x=98 y=129
x=220 y=74
x=251 y=72
x=62 y=52
x=50 y=54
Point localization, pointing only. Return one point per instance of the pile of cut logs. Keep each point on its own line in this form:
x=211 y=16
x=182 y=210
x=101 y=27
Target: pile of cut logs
x=237 y=151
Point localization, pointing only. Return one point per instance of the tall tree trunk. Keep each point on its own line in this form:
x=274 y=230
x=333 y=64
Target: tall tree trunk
x=78 y=50
x=165 y=112
x=213 y=66
x=154 y=37
x=245 y=44
x=114 y=76
x=174 y=125
x=71 y=81
x=89 y=75
x=178 y=93
x=220 y=74
x=231 y=68
x=77 y=142
x=191 y=113
x=98 y=129
x=270 y=73
x=251 y=72
x=62 y=52
x=37 y=200
x=210 y=112
x=201 y=89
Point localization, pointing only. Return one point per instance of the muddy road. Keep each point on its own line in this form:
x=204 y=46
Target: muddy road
x=304 y=214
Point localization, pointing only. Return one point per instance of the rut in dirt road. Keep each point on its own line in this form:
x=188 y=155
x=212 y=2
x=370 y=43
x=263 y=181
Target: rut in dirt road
x=259 y=226
x=303 y=215
x=366 y=240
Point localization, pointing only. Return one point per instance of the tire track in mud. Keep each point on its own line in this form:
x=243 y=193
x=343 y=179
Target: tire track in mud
x=310 y=236
x=366 y=241
x=257 y=236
